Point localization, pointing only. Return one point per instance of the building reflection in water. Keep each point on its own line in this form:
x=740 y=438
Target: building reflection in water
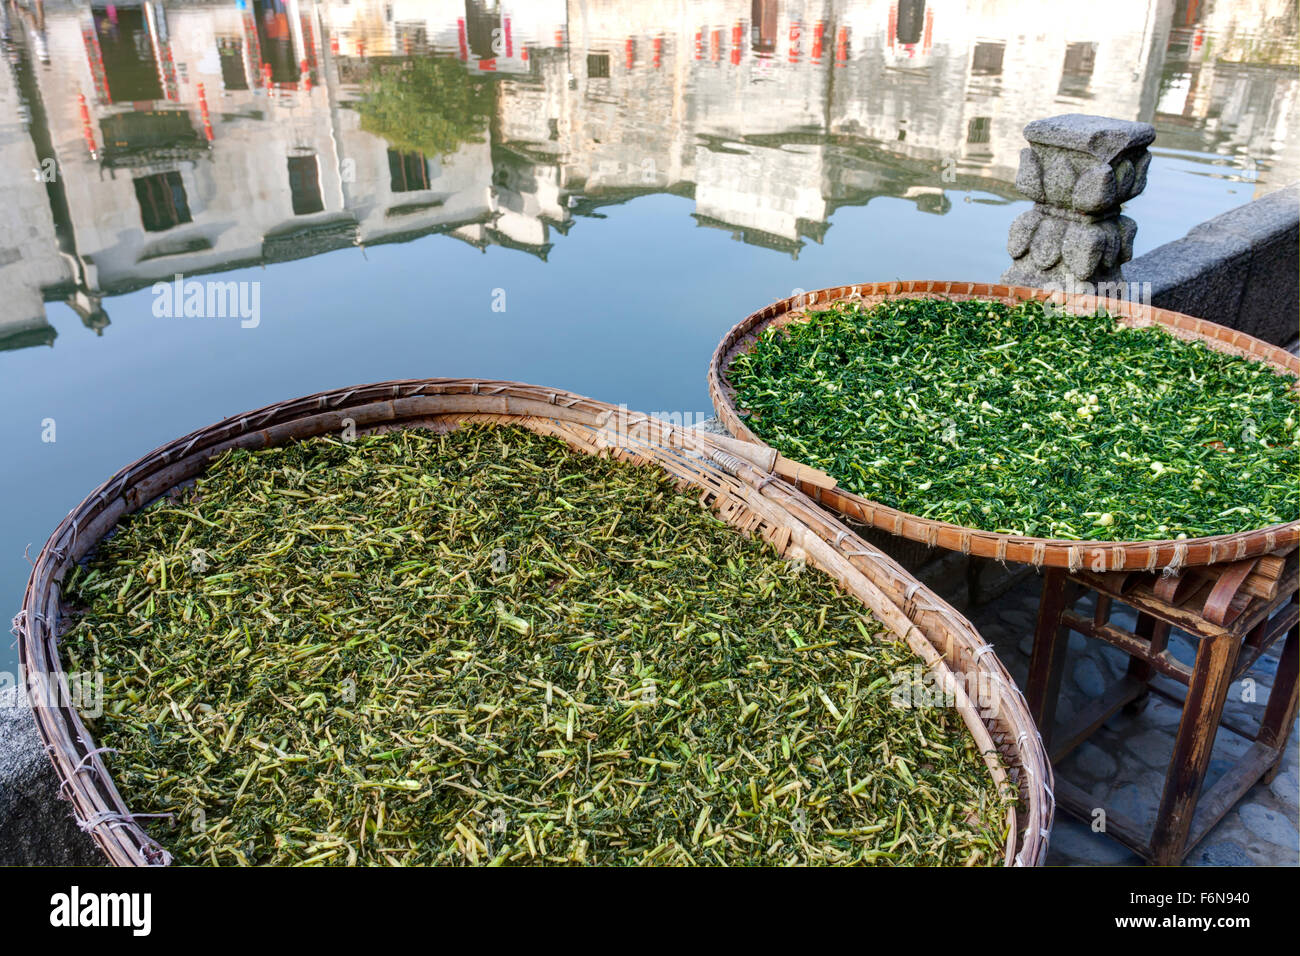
x=171 y=137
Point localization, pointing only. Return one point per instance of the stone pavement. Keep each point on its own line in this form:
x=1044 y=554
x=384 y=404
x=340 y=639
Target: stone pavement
x=1123 y=764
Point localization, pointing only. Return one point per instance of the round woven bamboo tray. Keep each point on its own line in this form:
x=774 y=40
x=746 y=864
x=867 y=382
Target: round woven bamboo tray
x=750 y=499
x=1040 y=552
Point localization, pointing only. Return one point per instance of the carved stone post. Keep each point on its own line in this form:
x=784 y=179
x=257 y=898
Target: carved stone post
x=1077 y=169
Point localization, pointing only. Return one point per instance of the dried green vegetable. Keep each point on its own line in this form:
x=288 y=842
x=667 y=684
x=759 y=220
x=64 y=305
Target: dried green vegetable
x=1021 y=420
x=481 y=647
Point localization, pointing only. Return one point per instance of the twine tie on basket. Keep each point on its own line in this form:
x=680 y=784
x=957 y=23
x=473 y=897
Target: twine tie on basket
x=1176 y=565
x=90 y=755
x=909 y=606
x=727 y=462
x=863 y=553
x=1153 y=555
x=113 y=489
x=150 y=851
x=1076 y=558
x=59 y=553
x=154 y=855
x=115 y=818
x=934 y=609
x=1040 y=550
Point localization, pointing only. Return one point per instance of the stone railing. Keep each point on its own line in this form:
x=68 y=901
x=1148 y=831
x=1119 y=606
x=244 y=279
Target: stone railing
x=1240 y=269
x=1077 y=169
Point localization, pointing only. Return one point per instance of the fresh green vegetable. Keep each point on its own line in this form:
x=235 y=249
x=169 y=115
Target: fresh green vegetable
x=1028 y=421
x=481 y=647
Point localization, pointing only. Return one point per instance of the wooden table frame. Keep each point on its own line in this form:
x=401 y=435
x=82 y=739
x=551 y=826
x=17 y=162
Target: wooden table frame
x=1231 y=630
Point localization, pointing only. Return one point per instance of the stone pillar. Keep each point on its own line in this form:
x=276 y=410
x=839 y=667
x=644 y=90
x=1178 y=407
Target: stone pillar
x=1077 y=169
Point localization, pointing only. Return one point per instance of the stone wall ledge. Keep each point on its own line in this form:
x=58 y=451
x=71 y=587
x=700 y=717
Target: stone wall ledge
x=1240 y=269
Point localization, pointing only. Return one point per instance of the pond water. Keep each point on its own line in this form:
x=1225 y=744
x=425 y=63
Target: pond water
x=582 y=194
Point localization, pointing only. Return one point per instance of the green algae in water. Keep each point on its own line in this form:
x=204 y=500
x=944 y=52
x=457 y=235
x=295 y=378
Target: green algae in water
x=1020 y=420
x=483 y=648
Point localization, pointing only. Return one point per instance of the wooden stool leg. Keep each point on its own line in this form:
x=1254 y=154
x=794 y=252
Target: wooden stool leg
x=1047 y=662
x=1280 y=713
x=1211 y=678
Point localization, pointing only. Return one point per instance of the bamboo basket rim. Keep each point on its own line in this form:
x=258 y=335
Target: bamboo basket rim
x=1167 y=555
x=744 y=495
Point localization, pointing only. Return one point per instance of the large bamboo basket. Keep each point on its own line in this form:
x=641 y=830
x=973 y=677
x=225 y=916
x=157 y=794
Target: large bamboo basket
x=750 y=499
x=1040 y=552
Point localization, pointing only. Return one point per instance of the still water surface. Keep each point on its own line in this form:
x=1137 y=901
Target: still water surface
x=582 y=194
